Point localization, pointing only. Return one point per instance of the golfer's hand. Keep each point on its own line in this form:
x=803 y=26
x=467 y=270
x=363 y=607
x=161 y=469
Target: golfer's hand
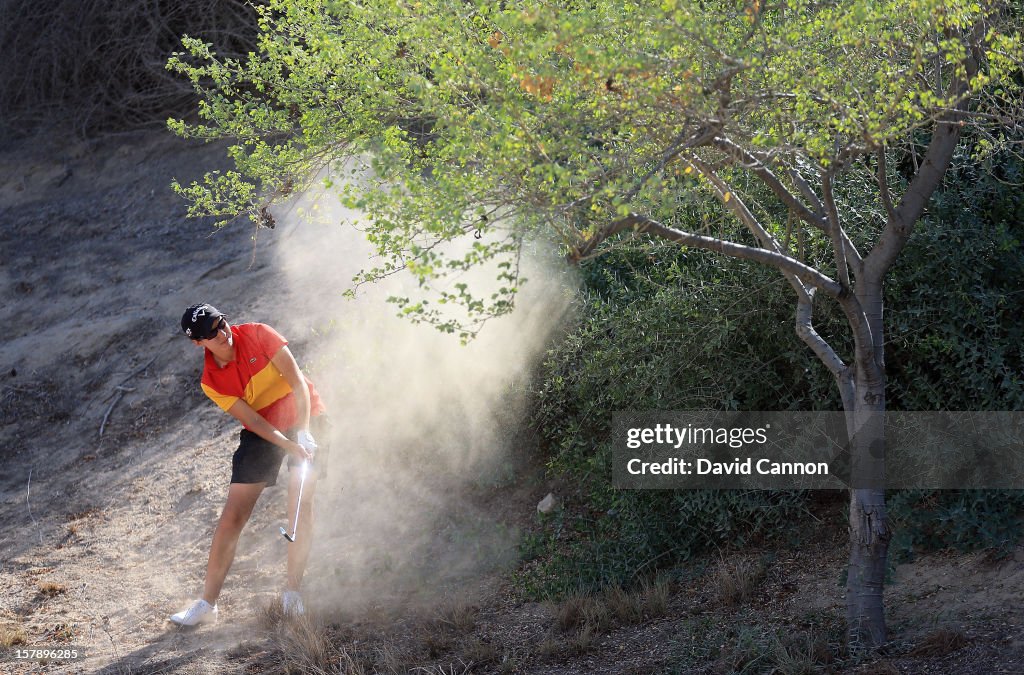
x=305 y=439
x=300 y=453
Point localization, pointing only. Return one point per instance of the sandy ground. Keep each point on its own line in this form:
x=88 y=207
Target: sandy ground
x=115 y=466
x=105 y=535
x=98 y=260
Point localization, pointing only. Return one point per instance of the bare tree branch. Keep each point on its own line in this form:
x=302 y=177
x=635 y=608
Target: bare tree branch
x=805 y=330
x=927 y=177
x=728 y=197
x=835 y=229
x=852 y=254
x=821 y=348
x=882 y=178
x=748 y=161
x=780 y=261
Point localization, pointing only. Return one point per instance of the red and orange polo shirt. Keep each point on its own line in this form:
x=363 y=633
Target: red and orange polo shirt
x=254 y=379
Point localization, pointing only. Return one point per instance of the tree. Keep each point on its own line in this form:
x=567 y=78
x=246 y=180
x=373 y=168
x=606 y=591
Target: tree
x=738 y=127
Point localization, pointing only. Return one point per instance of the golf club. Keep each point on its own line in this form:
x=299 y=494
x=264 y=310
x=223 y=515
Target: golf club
x=298 y=503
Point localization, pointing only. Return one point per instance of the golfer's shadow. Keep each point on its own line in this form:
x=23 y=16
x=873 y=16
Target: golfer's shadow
x=144 y=660
x=162 y=653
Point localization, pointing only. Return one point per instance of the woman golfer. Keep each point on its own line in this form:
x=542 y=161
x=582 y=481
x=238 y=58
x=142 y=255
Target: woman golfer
x=250 y=373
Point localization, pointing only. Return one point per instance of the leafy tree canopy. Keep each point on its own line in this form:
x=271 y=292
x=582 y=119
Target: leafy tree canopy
x=495 y=119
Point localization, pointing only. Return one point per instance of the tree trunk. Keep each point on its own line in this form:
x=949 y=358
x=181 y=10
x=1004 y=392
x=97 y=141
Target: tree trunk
x=869 y=521
x=869 y=548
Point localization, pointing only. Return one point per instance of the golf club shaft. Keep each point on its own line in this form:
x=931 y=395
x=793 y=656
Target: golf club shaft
x=298 y=502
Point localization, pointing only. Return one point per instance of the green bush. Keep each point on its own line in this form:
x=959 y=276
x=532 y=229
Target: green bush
x=660 y=327
x=664 y=328
x=956 y=298
x=965 y=520
x=620 y=537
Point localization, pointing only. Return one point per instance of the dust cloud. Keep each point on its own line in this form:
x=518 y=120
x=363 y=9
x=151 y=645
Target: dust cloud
x=425 y=429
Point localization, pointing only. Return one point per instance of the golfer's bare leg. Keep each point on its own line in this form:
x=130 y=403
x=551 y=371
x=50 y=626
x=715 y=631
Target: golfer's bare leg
x=298 y=552
x=241 y=500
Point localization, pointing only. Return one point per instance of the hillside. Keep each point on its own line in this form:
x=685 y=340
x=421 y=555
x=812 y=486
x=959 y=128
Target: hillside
x=115 y=468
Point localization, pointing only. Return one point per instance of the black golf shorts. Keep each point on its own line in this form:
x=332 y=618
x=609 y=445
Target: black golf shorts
x=259 y=461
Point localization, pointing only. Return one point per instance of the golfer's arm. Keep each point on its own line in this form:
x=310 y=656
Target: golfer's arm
x=285 y=362
x=257 y=424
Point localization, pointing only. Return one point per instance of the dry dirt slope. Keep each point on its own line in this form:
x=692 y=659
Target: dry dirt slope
x=105 y=535
x=102 y=536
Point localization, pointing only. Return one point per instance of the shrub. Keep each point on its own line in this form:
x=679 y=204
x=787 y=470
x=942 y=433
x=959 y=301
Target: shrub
x=665 y=328
x=966 y=520
x=89 y=66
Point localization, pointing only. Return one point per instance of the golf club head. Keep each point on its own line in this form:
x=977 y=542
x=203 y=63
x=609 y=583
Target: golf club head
x=295 y=525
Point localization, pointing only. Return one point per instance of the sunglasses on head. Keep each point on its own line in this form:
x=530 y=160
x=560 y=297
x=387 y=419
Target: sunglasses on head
x=219 y=326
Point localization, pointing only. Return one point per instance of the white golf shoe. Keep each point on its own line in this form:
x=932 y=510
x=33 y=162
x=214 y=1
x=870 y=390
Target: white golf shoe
x=200 y=612
x=291 y=603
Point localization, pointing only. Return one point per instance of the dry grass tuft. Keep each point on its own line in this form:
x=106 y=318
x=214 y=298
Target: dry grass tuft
x=585 y=617
x=457 y=614
x=612 y=606
x=305 y=646
x=50 y=589
x=656 y=596
x=316 y=650
x=570 y=611
x=799 y=655
x=270 y=615
x=583 y=611
x=451 y=619
x=478 y=652
x=940 y=643
x=438 y=643
x=349 y=663
x=11 y=636
x=460 y=668
x=598 y=614
x=391 y=658
x=582 y=641
x=548 y=648
x=624 y=606
x=736 y=581
x=879 y=668
x=647 y=602
x=760 y=649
